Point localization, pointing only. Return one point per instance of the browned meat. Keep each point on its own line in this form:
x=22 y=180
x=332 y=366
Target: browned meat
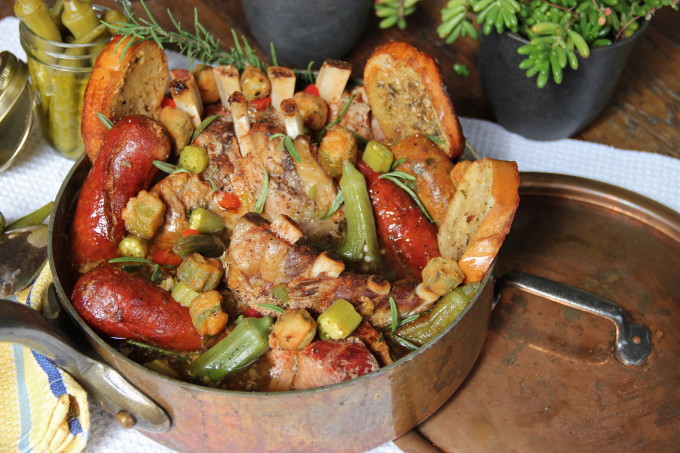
x=374 y=341
x=321 y=363
x=263 y=255
x=329 y=362
x=358 y=116
x=300 y=190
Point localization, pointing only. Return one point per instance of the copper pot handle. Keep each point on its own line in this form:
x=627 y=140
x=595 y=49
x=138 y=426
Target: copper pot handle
x=633 y=342
x=132 y=408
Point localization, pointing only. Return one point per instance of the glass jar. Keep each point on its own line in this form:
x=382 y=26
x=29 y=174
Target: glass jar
x=59 y=73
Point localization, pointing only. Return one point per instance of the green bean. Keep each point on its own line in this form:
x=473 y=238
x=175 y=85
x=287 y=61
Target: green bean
x=79 y=17
x=36 y=16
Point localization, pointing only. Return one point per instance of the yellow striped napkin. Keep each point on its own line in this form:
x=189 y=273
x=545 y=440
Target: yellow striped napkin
x=42 y=409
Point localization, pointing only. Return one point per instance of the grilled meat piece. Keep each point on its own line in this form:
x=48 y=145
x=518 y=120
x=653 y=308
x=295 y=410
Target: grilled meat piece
x=321 y=363
x=263 y=255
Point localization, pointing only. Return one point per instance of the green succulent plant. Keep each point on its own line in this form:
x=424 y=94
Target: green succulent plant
x=557 y=30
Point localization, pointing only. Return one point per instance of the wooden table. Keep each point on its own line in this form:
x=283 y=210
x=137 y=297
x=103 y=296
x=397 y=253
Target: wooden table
x=642 y=115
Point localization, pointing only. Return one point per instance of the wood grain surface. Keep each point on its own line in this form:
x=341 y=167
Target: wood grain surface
x=642 y=115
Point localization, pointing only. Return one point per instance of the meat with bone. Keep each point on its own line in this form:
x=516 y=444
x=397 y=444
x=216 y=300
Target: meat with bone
x=263 y=255
x=300 y=190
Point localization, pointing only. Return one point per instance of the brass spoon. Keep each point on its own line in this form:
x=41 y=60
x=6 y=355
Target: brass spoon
x=23 y=253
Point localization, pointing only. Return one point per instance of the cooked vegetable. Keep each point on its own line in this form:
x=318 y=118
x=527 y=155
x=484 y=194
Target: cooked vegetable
x=194 y=158
x=206 y=244
x=144 y=214
x=338 y=321
x=254 y=83
x=207 y=315
x=378 y=157
x=444 y=313
x=360 y=244
x=133 y=246
x=34 y=218
x=178 y=124
x=245 y=344
x=183 y=294
x=337 y=146
x=295 y=329
x=312 y=109
x=205 y=221
x=36 y=16
x=79 y=17
x=441 y=275
x=207 y=86
x=199 y=273
x=162 y=367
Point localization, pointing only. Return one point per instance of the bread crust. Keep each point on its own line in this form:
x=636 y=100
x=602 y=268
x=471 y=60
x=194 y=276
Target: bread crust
x=408 y=96
x=487 y=240
x=118 y=87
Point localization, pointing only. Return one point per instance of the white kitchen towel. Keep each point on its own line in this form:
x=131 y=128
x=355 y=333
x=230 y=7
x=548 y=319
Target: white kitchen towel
x=36 y=176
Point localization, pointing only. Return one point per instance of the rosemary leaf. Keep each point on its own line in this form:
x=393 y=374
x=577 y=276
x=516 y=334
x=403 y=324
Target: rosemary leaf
x=342 y=112
x=259 y=204
x=436 y=140
x=397 y=163
x=399 y=174
x=403 y=342
x=395 y=314
x=105 y=121
x=272 y=51
x=201 y=127
x=411 y=193
x=408 y=319
x=288 y=143
x=211 y=180
x=168 y=168
x=155 y=273
x=130 y=259
x=275 y=308
x=335 y=205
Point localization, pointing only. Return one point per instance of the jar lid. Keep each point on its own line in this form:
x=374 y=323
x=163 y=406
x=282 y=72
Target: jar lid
x=16 y=108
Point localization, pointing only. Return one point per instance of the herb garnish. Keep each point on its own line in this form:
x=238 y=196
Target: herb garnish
x=395 y=314
x=337 y=119
x=169 y=168
x=396 y=177
x=397 y=163
x=201 y=46
x=259 y=204
x=335 y=205
x=105 y=121
x=290 y=146
x=201 y=127
x=272 y=307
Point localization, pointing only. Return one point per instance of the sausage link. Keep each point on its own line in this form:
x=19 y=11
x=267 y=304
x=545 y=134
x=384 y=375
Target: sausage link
x=123 y=305
x=410 y=241
x=123 y=167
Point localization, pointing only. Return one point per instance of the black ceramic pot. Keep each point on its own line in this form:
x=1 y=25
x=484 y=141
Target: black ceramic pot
x=307 y=30
x=554 y=111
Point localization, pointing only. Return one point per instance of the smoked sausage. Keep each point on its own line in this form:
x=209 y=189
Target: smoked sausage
x=122 y=305
x=123 y=167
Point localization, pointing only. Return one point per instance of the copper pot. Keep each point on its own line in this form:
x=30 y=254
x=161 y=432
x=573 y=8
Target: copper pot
x=352 y=416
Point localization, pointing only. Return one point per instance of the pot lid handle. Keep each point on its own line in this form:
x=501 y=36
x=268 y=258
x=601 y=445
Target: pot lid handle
x=633 y=342
x=24 y=325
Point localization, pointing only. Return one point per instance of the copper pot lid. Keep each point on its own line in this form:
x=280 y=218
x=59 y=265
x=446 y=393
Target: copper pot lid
x=547 y=379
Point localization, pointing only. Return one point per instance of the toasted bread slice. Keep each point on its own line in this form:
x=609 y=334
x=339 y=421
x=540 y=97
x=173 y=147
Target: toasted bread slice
x=479 y=216
x=407 y=96
x=132 y=85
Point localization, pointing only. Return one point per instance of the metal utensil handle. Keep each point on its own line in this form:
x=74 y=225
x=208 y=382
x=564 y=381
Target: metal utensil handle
x=23 y=325
x=633 y=342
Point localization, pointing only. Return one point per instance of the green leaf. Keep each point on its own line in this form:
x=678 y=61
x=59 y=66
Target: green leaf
x=272 y=307
x=105 y=121
x=259 y=204
x=395 y=315
x=201 y=127
x=335 y=205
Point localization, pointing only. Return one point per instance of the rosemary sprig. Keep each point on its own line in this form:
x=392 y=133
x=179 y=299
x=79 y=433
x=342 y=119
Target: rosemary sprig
x=168 y=168
x=272 y=307
x=335 y=205
x=201 y=127
x=397 y=162
x=396 y=177
x=395 y=315
x=342 y=113
x=200 y=45
x=105 y=121
x=290 y=146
